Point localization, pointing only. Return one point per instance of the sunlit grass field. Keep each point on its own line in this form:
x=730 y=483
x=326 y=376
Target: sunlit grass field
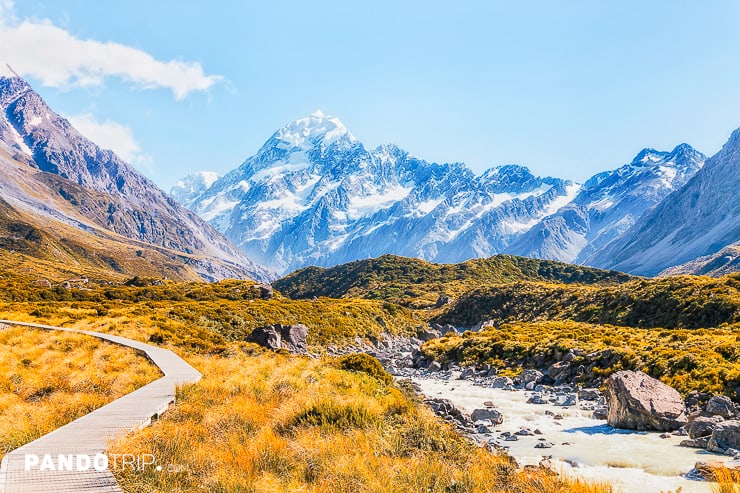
x=263 y=422
x=48 y=379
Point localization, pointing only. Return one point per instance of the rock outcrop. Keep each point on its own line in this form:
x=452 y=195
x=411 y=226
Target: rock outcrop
x=278 y=336
x=637 y=401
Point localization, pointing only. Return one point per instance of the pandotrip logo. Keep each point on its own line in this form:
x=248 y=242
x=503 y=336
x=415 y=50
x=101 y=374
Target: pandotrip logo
x=98 y=462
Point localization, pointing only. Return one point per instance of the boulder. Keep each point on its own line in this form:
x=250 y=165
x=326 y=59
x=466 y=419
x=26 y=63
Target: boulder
x=719 y=405
x=560 y=371
x=491 y=415
x=266 y=337
x=427 y=334
x=434 y=366
x=528 y=376
x=709 y=470
x=589 y=394
x=42 y=283
x=294 y=337
x=290 y=337
x=695 y=443
x=702 y=426
x=636 y=401
x=726 y=435
x=501 y=382
x=266 y=291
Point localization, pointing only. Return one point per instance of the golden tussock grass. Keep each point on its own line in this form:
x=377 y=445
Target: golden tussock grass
x=263 y=422
x=48 y=379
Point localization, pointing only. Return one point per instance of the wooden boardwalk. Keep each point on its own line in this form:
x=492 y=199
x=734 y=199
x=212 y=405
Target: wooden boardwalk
x=90 y=434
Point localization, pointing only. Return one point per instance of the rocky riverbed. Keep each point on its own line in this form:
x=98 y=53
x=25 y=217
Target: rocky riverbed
x=565 y=438
x=542 y=420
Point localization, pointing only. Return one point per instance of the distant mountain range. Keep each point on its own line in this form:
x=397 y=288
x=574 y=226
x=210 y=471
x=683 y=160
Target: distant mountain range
x=314 y=195
x=67 y=201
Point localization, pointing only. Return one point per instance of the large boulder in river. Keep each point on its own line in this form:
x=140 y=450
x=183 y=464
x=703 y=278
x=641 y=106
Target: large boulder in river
x=636 y=401
x=491 y=415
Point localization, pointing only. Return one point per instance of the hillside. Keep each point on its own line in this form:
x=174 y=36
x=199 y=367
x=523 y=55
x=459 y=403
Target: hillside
x=410 y=280
x=67 y=188
x=698 y=220
x=674 y=302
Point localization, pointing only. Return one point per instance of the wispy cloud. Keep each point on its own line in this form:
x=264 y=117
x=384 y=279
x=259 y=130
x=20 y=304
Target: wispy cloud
x=59 y=59
x=114 y=136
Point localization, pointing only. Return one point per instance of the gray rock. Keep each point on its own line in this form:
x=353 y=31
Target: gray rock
x=544 y=445
x=560 y=371
x=294 y=337
x=589 y=394
x=702 y=426
x=527 y=376
x=725 y=436
x=536 y=399
x=266 y=291
x=695 y=443
x=434 y=366
x=720 y=405
x=266 y=337
x=491 y=415
x=501 y=382
x=428 y=334
x=483 y=429
x=637 y=401
x=566 y=400
x=290 y=337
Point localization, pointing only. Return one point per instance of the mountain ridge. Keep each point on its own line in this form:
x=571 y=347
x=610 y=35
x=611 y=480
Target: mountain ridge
x=65 y=177
x=314 y=195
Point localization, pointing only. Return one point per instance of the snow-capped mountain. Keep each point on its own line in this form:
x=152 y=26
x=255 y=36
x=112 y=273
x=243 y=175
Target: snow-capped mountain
x=313 y=194
x=697 y=220
x=609 y=204
x=53 y=172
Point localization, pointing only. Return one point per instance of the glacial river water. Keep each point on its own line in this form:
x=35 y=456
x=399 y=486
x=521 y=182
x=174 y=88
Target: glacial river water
x=635 y=462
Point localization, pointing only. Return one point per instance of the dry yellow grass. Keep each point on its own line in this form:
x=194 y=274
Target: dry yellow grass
x=261 y=422
x=48 y=379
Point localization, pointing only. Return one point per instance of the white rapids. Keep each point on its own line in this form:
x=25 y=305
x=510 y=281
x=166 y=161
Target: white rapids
x=634 y=462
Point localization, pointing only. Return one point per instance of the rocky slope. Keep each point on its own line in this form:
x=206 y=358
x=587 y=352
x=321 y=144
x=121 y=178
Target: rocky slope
x=724 y=262
x=52 y=172
x=698 y=220
x=609 y=204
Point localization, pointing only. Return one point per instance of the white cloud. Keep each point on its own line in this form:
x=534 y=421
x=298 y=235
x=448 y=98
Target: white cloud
x=114 y=136
x=59 y=59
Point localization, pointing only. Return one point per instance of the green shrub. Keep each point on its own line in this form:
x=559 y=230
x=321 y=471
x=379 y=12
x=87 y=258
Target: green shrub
x=366 y=364
x=335 y=416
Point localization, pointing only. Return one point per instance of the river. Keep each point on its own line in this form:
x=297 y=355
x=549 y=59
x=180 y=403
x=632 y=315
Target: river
x=634 y=462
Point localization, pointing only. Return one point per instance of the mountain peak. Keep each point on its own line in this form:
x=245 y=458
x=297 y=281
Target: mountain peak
x=309 y=131
x=11 y=84
x=648 y=156
x=686 y=153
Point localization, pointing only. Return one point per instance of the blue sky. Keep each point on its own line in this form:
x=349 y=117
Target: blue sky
x=566 y=88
